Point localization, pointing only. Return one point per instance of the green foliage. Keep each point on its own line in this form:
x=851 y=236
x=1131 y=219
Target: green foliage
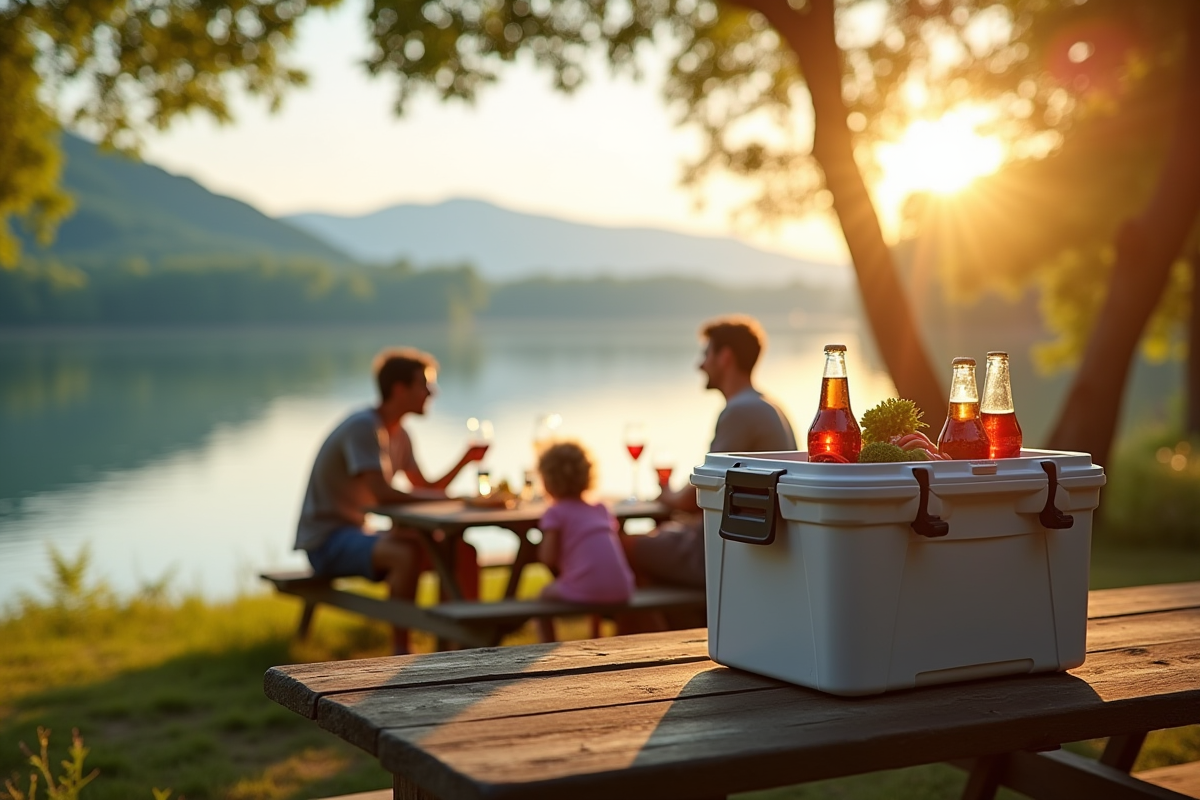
x=882 y=453
x=134 y=64
x=891 y=418
x=30 y=160
x=68 y=785
x=1153 y=493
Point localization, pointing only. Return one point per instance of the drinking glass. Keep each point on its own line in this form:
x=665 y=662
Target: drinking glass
x=635 y=443
x=479 y=432
x=664 y=465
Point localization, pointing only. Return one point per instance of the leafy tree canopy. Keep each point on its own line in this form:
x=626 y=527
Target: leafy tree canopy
x=133 y=64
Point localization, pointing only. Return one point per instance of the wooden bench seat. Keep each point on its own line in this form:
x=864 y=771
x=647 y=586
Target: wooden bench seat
x=470 y=623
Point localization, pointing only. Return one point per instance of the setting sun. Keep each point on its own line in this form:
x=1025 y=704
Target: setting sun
x=941 y=155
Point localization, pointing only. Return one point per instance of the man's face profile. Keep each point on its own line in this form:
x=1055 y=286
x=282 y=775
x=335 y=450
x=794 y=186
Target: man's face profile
x=414 y=396
x=710 y=365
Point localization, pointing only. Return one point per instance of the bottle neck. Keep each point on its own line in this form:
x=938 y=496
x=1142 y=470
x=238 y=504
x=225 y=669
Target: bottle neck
x=997 y=389
x=835 y=364
x=963 y=388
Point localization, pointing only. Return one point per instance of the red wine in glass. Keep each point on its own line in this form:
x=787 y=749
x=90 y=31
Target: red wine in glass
x=664 y=474
x=635 y=443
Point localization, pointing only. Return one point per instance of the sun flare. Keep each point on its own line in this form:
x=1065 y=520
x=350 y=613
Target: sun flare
x=942 y=155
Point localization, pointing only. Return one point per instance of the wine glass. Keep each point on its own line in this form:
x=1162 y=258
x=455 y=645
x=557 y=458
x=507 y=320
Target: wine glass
x=664 y=465
x=479 y=432
x=635 y=443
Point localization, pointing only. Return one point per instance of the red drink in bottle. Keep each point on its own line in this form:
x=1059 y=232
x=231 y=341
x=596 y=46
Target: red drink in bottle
x=834 y=429
x=963 y=436
x=999 y=416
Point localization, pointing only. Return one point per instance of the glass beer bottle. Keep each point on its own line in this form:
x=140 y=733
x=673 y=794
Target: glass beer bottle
x=834 y=429
x=963 y=436
x=999 y=416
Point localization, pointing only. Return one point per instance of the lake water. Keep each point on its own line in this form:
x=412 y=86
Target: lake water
x=186 y=453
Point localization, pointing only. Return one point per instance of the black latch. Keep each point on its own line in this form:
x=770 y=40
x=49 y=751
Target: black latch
x=926 y=524
x=1051 y=517
x=750 y=510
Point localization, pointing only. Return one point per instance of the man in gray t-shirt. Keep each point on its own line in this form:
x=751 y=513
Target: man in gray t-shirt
x=674 y=554
x=353 y=472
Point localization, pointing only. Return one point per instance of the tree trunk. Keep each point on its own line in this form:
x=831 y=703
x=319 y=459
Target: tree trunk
x=1191 y=395
x=1147 y=245
x=810 y=35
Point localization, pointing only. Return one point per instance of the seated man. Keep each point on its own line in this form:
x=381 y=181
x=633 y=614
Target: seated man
x=352 y=473
x=673 y=554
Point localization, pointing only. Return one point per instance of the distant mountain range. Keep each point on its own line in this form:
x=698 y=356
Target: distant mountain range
x=127 y=209
x=506 y=245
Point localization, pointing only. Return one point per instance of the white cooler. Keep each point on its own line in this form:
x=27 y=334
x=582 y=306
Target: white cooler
x=863 y=578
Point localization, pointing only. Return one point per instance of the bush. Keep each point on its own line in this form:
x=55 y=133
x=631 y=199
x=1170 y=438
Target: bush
x=1153 y=492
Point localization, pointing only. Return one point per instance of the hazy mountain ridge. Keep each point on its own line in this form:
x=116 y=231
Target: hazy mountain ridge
x=506 y=245
x=128 y=209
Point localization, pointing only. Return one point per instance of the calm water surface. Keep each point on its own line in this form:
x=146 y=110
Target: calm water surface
x=186 y=453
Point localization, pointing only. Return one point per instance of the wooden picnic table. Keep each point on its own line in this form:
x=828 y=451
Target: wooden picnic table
x=441 y=523
x=650 y=716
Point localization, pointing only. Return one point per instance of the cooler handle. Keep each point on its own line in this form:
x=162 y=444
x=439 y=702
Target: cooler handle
x=926 y=524
x=1051 y=517
x=750 y=505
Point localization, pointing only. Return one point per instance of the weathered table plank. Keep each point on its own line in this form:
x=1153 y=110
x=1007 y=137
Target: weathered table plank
x=1143 y=599
x=1142 y=629
x=299 y=686
x=778 y=735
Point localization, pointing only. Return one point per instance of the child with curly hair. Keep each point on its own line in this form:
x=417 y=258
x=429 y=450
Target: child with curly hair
x=579 y=539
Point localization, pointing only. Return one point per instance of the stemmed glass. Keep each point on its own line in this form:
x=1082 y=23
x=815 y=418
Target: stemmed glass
x=664 y=465
x=480 y=433
x=635 y=443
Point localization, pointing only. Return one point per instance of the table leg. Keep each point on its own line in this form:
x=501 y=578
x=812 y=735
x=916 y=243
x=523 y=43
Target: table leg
x=404 y=789
x=443 y=554
x=1122 y=751
x=984 y=778
x=526 y=554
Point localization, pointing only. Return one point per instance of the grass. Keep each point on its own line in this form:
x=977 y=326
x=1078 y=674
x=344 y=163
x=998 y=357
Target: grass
x=167 y=693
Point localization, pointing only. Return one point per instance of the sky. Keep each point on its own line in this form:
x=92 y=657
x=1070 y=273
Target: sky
x=608 y=155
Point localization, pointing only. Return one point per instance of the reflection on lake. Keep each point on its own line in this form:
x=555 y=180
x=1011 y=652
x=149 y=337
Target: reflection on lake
x=188 y=452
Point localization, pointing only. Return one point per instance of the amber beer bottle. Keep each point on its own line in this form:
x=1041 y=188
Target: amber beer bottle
x=834 y=429
x=999 y=416
x=963 y=436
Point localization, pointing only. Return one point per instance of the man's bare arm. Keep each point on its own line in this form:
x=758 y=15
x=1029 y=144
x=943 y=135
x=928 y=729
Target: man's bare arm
x=386 y=495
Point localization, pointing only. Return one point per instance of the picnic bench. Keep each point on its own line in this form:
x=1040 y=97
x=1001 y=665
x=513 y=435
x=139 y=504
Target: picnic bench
x=469 y=623
x=650 y=716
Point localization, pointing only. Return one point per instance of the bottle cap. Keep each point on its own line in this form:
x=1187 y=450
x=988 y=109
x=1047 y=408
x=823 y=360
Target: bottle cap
x=961 y=360
x=829 y=347
x=997 y=353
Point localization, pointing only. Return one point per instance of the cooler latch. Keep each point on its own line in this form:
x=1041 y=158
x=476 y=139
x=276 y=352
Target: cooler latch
x=750 y=505
x=1051 y=517
x=926 y=524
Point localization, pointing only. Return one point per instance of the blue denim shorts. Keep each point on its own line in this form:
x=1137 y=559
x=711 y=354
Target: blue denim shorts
x=346 y=553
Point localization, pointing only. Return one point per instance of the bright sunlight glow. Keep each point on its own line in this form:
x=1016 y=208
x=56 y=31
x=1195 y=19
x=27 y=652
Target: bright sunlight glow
x=941 y=155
